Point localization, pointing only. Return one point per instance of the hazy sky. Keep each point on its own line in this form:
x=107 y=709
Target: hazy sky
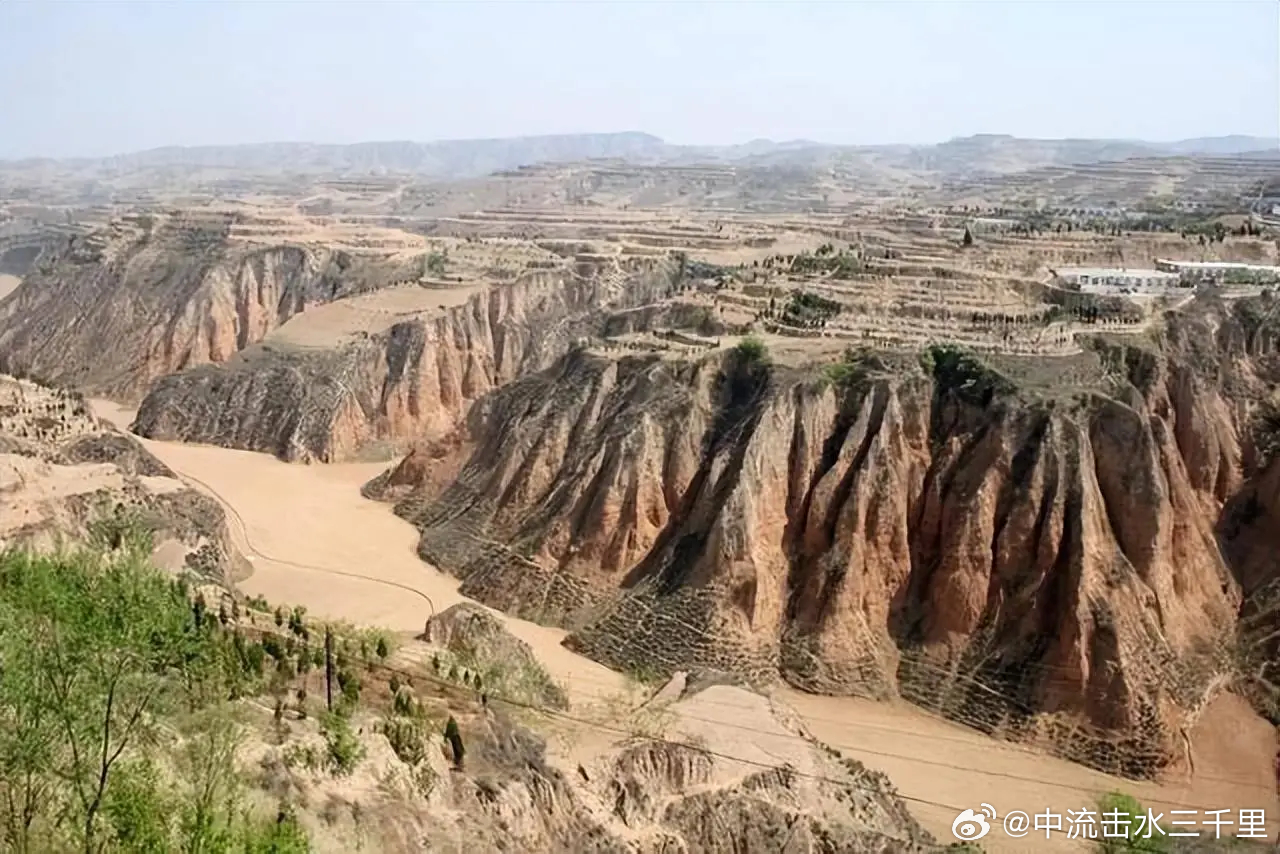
x=101 y=77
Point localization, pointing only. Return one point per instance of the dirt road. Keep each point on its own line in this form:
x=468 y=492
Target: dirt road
x=315 y=541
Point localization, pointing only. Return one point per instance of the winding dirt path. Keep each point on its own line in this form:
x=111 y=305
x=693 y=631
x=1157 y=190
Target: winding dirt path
x=315 y=541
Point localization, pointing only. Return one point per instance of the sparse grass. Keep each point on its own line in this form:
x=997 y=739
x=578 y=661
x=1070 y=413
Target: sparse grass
x=626 y=709
x=646 y=675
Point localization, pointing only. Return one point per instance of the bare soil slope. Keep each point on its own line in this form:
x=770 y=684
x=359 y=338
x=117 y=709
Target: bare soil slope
x=1030 y=552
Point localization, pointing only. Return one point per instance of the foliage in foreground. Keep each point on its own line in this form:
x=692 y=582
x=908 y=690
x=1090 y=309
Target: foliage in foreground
x=116 y=732
x=1136 y=838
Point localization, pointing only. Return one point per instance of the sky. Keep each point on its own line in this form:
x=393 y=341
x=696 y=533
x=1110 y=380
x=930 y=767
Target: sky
x=100 y=77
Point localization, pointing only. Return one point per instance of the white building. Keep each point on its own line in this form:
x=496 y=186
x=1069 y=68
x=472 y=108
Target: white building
x=1115 y=279
x=1193 y=272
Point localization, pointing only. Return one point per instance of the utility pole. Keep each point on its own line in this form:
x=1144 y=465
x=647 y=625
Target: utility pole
x=328 y=667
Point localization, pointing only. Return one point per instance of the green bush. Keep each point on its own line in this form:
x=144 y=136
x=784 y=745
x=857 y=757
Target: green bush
x=282 y=836
x=958 y=372
x=1114 y=802
x=344 y=750
x=122 y=528
x=408 y=738
x=752 y=350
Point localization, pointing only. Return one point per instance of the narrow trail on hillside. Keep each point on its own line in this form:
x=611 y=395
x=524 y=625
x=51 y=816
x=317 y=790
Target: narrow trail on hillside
x=315 y=541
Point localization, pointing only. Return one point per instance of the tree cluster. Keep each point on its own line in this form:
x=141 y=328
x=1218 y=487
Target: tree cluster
x=116 y=732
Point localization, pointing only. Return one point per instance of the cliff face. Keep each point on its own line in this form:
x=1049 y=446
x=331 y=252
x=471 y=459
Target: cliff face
x=1041 y=564
x=417 y=379
x=114 y=310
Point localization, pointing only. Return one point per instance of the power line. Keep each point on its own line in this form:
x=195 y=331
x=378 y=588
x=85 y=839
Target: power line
x=586 y=677
x=1013 y=702
x=566 y=716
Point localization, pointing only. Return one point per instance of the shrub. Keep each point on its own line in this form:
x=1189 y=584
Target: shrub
x=1120 y=802
x=402 y=701
x=344 y=750
x=282 y=836
x=752 y=350
x=407 y=737
x=349 y=684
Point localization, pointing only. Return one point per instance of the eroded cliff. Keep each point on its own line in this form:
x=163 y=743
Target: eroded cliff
x=416 y=380
x=1030 y=550
x=113 y=310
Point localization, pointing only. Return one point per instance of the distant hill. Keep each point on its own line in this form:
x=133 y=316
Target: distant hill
x=458 y=159
x=1223 y=145
x=445 y=159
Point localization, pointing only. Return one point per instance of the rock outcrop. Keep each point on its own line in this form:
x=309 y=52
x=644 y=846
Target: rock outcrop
x=1035 y=558
x=418 y=379
x=115 y=309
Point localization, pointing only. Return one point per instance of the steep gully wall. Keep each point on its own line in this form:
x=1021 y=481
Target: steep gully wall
x=1045 y=568
x=111 y=312
x=416 y=379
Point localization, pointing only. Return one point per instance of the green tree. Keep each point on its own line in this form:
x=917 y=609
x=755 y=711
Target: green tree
x=435 y=263
x=212 y=786
x=101 y=660
x=454 y=737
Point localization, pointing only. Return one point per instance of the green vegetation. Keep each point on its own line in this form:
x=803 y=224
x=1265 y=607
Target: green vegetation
x=837 y=263
x=121 y=527
x=435 y=263
x=513 y=677
x=1266 y=429
x=959 y=373
x=1249 y=277
x=646 y=674
x=752 y=350
x=116 y=729
x=344 y=749
x=809 y=310
x=454 y=737
x=1119 y=802
x=855 y=366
